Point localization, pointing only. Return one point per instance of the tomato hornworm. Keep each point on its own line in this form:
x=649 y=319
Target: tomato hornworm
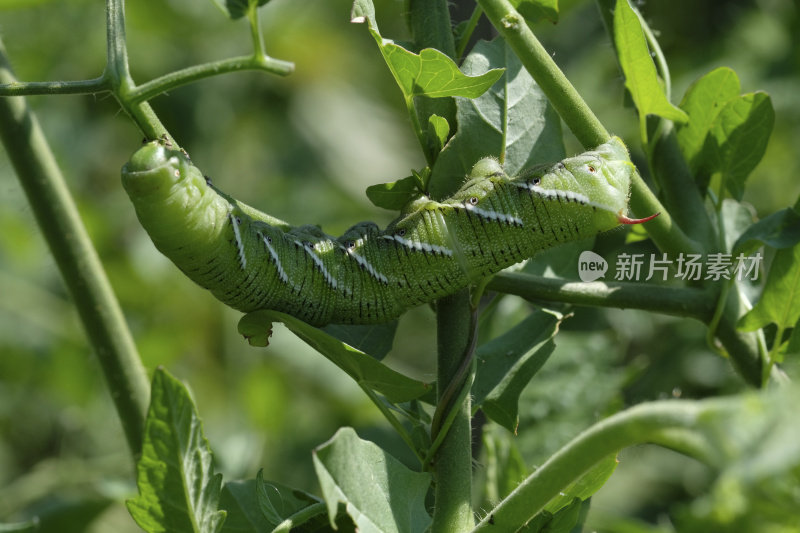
x=251 y=261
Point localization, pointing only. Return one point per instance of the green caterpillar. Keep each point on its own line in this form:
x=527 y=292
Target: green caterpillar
x=251 y=261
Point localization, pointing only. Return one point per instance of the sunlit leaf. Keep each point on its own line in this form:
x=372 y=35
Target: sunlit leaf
x=780 y=301
x=438 y=129
x=513 y=121
x=641 y=78
x=378 y=492
x=702 y=102
x=393 y=195
x=429 y=73
x=738 y=139
x=178 y=490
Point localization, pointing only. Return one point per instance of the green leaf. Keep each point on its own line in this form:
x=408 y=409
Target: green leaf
x=757 y=465
x=394 y=195
x=236 y=9
x=365 y=370
x=536 y=10
x=243 y=502
x=29 y=526
x=287 y=508
x=780 y=301
x=504 y=465
x=513 y=121
x=178 y=490
x=702 y=102
x=561 y=522
x=778 y=230
x=238 y=498
x=641 y=78
x=586 y=486
x=793 y=344
x=379 y=493
x=738 y=139
x=373 y=339
x=507 y=363
x=727 y=133
x=751 y=440
x=429 y=73
x=736 y=219
x=438 y=129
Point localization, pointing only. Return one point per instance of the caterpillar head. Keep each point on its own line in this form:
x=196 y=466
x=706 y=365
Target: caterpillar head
x=600 y=178
x=155 y=168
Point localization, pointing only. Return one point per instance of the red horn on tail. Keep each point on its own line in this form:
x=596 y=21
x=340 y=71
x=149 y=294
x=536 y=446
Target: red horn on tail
x=625 y=220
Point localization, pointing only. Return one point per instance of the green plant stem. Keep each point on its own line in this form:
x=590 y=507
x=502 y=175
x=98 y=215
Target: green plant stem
x=458 y=383
x=119 y=76
x=469 y=28
x=559 y=91
x=685 y=202
x=580 y=119
x=300 y=517
x=668 y=423
x=430 y=25
x=20 y=88
x=677 y=301
x=77 y=260
x=398 y=427
x=452 y=464
x=170 y=81
x=255 y=30
x=682 y=198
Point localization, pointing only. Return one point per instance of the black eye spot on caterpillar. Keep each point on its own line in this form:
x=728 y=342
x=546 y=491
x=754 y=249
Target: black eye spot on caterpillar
x=262 y=263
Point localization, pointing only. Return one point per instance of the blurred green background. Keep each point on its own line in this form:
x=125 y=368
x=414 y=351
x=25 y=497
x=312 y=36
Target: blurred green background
x=304 y=148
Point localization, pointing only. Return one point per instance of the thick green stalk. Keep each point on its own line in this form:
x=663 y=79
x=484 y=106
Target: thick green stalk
x=672 y=424
x=430 y=25
x=76 y=258
x=452 y=464
x=677 y=301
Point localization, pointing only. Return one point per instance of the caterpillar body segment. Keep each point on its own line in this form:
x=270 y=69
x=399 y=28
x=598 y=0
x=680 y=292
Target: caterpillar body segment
x=250 y=260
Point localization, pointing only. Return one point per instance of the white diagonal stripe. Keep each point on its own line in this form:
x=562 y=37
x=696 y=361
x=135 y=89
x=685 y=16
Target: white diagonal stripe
x=281 y=272
x=314 y=257
x=238 y=237
x=367 y=266
x=494 y=215
x=421 y=246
